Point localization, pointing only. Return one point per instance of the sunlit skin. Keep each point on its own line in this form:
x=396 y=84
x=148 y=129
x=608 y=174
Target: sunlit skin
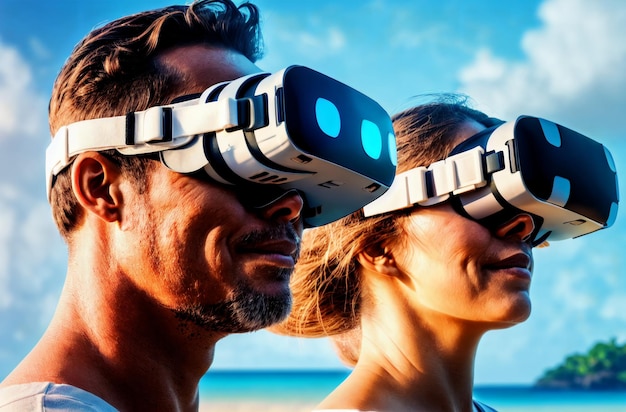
x=155 y=279
x=205 y=251
x=459 y=269
x=428 y=300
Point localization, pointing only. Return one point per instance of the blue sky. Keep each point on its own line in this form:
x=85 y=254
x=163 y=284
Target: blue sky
x=560 y=59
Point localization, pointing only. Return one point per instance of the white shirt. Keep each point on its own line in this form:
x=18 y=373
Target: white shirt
x=50 y=397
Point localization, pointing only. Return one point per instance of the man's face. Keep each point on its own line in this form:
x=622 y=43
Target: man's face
x=212 y=260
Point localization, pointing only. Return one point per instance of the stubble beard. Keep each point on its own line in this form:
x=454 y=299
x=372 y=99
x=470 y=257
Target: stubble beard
x=248 y=310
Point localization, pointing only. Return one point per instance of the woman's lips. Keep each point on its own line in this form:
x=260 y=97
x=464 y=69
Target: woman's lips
x=518 y=265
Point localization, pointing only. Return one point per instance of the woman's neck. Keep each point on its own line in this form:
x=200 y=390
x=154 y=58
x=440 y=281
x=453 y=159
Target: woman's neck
x=410 y=359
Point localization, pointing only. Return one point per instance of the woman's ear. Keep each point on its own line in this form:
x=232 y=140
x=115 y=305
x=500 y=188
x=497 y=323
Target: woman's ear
x=378 y=259
x=95 y=182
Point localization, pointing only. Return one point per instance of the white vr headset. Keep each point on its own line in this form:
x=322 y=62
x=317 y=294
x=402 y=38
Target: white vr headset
x=264 y=134
x=567 y=182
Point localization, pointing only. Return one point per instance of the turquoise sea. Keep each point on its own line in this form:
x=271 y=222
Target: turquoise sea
x=300 y=390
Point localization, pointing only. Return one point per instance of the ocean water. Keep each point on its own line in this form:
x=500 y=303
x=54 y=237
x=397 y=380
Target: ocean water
x=307 y=386
x=527 y=399
x=285 y=390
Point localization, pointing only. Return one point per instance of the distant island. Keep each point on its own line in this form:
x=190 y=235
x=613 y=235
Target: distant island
x=602 y=368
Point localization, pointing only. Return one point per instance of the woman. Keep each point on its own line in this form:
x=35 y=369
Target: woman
x=407 y=295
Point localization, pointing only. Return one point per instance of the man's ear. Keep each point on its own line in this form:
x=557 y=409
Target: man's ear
x=95 y=182
x=378 y=259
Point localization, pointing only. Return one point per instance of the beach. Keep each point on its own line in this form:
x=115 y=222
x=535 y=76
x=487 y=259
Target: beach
x=255 y=405
x=296 y=391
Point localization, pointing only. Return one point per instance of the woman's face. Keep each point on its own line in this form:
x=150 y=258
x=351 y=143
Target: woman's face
x=462 y=270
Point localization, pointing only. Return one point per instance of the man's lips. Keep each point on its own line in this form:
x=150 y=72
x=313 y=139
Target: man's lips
x=277 y=246
x=283 y=250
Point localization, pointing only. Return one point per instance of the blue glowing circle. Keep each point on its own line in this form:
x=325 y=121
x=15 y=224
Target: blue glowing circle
x=393 y=151
x=327 y=116
x=371 y=139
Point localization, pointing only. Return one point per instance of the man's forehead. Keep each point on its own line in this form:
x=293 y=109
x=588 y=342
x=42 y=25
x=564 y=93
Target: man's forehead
x=201 y=66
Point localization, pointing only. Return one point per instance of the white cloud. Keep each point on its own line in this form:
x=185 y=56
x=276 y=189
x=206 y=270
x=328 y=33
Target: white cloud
x=293 y=40
x=23 y=110
x=614 y=307
x=572 y=70
x=568 y=291
x=39 y=49
x=577 y=46
x=32 y=255
x=330 y=41
x=336 y=40
x=7 y=220
x=407 y=37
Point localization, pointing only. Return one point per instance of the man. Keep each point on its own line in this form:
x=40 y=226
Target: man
x=161 y=264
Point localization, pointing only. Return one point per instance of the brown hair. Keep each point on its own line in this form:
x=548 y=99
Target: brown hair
x=115 y=70
x=326 y=285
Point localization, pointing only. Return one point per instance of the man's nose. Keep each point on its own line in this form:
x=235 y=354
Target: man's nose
x=286 y=208
x=518 y=228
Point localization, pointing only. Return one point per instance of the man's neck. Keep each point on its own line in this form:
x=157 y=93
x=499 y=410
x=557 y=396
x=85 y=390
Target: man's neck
x=122 y=347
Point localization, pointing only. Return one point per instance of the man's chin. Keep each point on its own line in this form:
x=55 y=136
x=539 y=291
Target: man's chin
x=270 y=310
x=269 y=281
x=247 y=312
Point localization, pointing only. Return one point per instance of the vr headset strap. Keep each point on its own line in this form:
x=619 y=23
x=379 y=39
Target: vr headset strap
x=152 y=130
x=428 y=186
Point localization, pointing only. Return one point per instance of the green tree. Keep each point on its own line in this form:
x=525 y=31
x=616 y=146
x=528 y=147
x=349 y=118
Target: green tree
x=603 y=367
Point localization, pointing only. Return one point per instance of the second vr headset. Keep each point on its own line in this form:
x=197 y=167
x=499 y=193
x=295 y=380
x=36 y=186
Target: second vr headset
x=264 y=134
x=566 y=181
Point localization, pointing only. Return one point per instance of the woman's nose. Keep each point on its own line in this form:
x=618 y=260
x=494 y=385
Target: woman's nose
x=286 y=208
x=520 y=227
